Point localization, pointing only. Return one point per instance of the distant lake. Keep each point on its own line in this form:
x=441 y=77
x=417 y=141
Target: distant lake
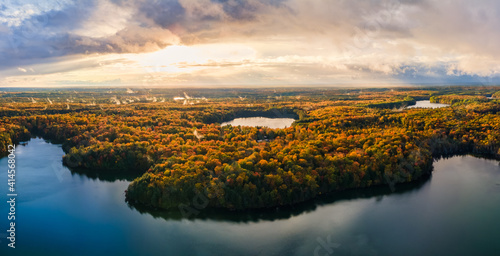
x=60 y=212
x=428 y=104
x=261 y=121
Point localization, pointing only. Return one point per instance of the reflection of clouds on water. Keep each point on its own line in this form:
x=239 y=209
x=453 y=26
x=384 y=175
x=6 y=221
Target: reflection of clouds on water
x=325 y=245
x=427 y=104
x=325 y=227
x=272 y=123
x=59 y=170
x=40 y=170
x=357 y=245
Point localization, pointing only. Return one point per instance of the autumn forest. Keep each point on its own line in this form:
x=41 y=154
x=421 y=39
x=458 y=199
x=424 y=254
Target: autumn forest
x=172 y=140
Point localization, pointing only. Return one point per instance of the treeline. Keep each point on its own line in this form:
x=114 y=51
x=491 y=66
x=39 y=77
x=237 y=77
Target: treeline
x=408 y=101
x=345 y=148
x=337 y=145
x=218 y=115
x=11 y=134
x=458 y=99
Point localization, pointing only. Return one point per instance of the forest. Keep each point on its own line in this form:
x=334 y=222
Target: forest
x=173 y=141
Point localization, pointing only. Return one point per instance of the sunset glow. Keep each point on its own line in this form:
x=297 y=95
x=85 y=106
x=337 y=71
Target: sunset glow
x=281 y=42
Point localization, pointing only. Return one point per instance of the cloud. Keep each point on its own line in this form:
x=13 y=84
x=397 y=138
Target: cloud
x=390 y=40
x=82 y=27
x=22 y=70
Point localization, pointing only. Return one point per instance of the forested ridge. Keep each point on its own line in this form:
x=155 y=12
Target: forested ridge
x=457 y=99
x=343 y=139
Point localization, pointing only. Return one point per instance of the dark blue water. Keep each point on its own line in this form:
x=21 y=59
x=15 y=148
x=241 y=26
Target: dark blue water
x=455 y=212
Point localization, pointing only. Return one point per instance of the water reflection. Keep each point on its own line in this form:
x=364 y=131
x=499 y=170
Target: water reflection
x=427 y=104
x=272 y=123
x=284 y=212
x=109 y=176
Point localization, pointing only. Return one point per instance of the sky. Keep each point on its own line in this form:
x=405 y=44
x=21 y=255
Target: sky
x=177 y=43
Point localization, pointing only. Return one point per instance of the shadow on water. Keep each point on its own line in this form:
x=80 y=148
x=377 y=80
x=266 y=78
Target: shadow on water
x=104 y=176
x=100 y=175
x=281 y=213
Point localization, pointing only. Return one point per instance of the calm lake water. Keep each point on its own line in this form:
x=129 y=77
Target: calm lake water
x=427 y=104
x=455 y=212
x=261 y=121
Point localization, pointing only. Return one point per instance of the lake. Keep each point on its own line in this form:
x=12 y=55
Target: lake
x=59 y=212
x=261 y=121
x=427 y=104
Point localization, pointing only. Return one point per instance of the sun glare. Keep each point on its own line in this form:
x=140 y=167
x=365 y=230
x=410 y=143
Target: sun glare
x=182 y=58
